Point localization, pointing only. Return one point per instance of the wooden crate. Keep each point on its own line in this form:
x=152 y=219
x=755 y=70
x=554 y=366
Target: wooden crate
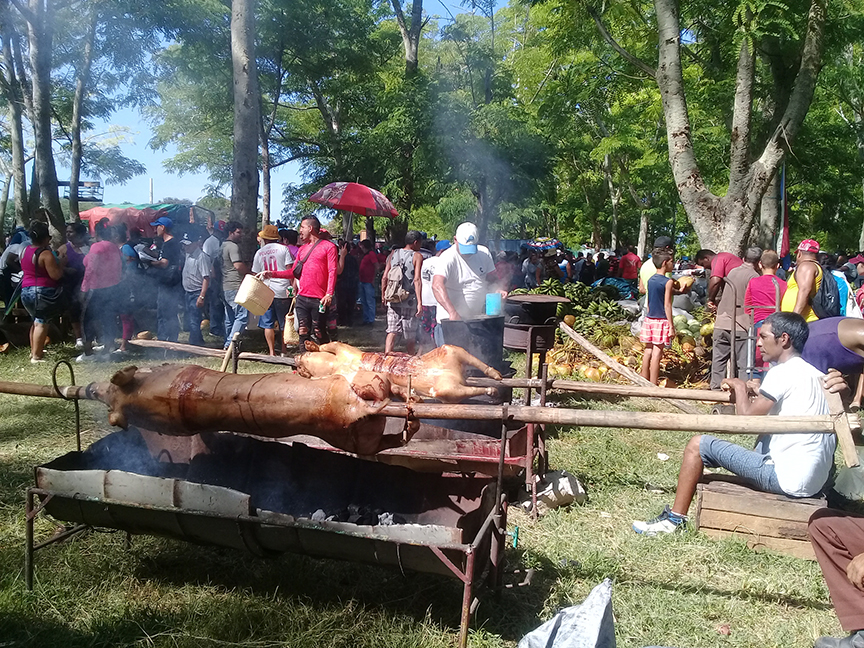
x=726 y=508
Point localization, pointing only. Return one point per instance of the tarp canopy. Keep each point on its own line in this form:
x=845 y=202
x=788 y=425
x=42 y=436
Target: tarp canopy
x=140 y=216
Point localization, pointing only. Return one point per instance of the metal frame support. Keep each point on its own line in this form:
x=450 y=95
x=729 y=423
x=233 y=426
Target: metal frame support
x=31 y=512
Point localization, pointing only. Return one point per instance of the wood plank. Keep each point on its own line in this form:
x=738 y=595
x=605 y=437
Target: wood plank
x=795 y=548
x=734 y=485
x=843 y=430
x=790 y=510
x=623 y=371
x=753 y=525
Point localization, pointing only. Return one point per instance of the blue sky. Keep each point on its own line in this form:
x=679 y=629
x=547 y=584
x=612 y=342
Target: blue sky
x=191 y=185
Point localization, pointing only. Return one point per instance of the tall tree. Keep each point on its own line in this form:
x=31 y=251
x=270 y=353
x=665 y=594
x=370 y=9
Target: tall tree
x=14 y=94
x=247 y=115
x=410 y=32
x=39 y=15
x=724 y=221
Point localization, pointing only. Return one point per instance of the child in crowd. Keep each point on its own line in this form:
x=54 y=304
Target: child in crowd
x=657 y=328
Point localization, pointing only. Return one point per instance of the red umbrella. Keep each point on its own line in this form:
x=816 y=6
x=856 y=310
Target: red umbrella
x=354 y=197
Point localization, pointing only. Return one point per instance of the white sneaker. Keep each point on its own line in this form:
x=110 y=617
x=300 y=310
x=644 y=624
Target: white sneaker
x=37 y=360
x=98 y=347
x=79 y=343
x=666 y=522
x=85 y=358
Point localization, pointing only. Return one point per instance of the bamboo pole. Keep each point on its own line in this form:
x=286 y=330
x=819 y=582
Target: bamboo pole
x=620 y=369
x=610 y=389
x=42 y=391
x=617 y=419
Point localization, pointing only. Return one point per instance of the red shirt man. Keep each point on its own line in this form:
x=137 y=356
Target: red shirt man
x=629 y=265
x=367 y=267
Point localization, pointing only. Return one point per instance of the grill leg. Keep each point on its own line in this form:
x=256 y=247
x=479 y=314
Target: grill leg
x=28 y=546
x=466 y=601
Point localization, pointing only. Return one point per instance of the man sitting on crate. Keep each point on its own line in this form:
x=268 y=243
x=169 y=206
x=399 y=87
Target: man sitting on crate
x=797 y=465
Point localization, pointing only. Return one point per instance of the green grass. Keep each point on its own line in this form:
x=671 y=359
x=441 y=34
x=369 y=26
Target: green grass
x=672 y=591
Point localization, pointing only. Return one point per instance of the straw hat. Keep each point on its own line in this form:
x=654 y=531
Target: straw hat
x=269 y=233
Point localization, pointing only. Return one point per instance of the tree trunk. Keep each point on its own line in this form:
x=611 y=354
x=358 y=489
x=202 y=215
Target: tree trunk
x=861 y=237
x=247 y=116
x=4 y=201
x=410 y=34
x=769 y=215
x=644 y=222
x=33 y=195
x=40 y=31
x=615 y=197
x=265 y=178
x=16 y=130
x=81 y=82
x=347 y=225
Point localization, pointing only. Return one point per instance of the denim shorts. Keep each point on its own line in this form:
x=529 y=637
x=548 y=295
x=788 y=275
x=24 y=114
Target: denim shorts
x=275 y=314
x=756 y=466
x=42 y=302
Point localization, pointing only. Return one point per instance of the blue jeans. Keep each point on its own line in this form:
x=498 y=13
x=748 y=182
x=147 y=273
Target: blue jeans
x=236 y=316
x=752 y=465
x=367 y=299
x=169 y=303
x=193 y=318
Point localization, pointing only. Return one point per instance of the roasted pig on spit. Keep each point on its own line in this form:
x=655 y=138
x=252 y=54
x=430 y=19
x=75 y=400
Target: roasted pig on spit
x=437 y=374
x=183 y=400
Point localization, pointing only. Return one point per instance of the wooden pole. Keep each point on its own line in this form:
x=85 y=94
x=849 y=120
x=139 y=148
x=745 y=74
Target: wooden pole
x=42 y=391
x=610 y=389
x=617 y=419
x=191 y=349
x=620 y=369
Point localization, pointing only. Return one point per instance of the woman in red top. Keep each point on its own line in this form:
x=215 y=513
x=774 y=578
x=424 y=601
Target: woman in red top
x=41 y=293
x=103 y=270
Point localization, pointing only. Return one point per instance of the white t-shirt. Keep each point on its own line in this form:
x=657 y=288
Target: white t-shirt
x=14 y=249
x=427 y=270
x=273 y=257
x=465 y=280
x=802 y=461
x=211 y=247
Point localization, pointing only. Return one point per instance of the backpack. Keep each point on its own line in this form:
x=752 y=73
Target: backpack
x=400 y=278
x=826 y=301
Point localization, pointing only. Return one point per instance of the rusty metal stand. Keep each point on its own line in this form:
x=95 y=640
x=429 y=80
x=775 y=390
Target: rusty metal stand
x=60 y=393
x=31 y=513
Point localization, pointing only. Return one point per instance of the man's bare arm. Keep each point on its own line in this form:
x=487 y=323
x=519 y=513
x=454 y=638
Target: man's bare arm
x=805 y=277
x=443 y=299
x=759 y=406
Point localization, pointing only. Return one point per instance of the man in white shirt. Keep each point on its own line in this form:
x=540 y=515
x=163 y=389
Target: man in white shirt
x=428 y=303
x=196 y=281
x=215 y=307
x=460 y=281
x=797 y=465
x=273 y=256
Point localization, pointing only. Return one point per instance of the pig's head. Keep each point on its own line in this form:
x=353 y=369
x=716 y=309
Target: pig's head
x=114 y=394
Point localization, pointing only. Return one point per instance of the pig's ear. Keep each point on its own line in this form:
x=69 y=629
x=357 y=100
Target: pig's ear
x=124 y=376
x=311 y=346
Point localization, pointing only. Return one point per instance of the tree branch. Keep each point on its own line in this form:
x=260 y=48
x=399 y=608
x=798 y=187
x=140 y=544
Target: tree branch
x=635 y=61
x=739 y=148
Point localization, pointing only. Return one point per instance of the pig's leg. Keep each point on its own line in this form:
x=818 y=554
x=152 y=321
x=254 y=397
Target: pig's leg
x=450 y=390
x=461 y=356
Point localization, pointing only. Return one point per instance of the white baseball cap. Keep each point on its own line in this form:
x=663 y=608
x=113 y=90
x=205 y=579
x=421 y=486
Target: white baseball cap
x=466 y=238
